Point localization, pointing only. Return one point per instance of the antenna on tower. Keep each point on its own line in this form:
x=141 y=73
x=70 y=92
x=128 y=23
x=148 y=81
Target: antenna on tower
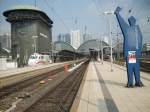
x=35 y=3
x=85 y=28
x=76 y=23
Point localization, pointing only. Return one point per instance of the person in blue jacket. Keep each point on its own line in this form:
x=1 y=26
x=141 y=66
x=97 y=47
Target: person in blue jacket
x=132 y=47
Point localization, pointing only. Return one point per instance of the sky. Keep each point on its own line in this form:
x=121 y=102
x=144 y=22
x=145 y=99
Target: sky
x=69 y=15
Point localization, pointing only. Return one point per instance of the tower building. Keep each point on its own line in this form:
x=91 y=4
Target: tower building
x=31 y=31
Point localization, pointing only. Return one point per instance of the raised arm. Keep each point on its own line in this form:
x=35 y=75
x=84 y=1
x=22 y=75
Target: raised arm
x=123 y=25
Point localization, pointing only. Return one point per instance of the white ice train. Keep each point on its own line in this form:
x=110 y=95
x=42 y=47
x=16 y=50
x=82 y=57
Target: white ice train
x=39 y=58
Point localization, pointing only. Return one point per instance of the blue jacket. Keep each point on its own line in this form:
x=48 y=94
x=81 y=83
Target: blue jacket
x=132 y=37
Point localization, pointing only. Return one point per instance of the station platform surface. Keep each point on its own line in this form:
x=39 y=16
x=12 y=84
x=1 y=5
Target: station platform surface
x=9 y=72
x=105 y=91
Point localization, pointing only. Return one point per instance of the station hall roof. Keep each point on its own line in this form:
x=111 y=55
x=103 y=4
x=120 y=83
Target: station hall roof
x=60 y=45
x=91 y=44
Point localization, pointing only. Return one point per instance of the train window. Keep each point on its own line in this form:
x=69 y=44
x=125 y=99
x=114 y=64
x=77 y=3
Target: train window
x=42 y=57
x=33 y=57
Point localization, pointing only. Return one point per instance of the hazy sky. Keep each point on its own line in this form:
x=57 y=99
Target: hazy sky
x=89 y=13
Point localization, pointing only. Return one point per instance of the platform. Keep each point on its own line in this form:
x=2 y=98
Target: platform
x=9 y=72
x=15 y=71
x=105 y=91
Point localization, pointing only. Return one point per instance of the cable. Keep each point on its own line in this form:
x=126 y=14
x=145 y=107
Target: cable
x=61 y=20
x=95 y=5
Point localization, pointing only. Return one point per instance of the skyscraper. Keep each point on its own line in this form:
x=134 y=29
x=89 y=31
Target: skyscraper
x=64 y=38
x=67 y=38
x=60 y=37
x=75 y=38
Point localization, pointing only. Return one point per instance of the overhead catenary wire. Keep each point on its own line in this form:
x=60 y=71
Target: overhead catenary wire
x=56 y=14
x=97 y=9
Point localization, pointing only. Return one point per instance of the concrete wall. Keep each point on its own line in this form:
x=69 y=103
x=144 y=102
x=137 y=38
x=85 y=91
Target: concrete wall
x=44 y=37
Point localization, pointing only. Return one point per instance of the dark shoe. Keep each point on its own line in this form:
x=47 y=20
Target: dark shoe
x=129 y=86
x=139 y=84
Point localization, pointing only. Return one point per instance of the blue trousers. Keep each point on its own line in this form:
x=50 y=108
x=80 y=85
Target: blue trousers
x=133 y=68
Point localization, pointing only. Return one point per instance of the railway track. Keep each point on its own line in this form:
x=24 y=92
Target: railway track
x=6 y=90
x=20 y=85
x=23 y=89
x=21 y=95
x=60 y=98
x=145 y=66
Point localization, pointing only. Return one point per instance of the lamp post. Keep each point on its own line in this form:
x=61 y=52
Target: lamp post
x=110 y=13
x=98 y=50
x=52 y=57
x=102 y=50
x=74 y=58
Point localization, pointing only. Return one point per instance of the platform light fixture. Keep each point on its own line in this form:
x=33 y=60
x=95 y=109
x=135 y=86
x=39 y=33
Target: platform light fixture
x=110 y=13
